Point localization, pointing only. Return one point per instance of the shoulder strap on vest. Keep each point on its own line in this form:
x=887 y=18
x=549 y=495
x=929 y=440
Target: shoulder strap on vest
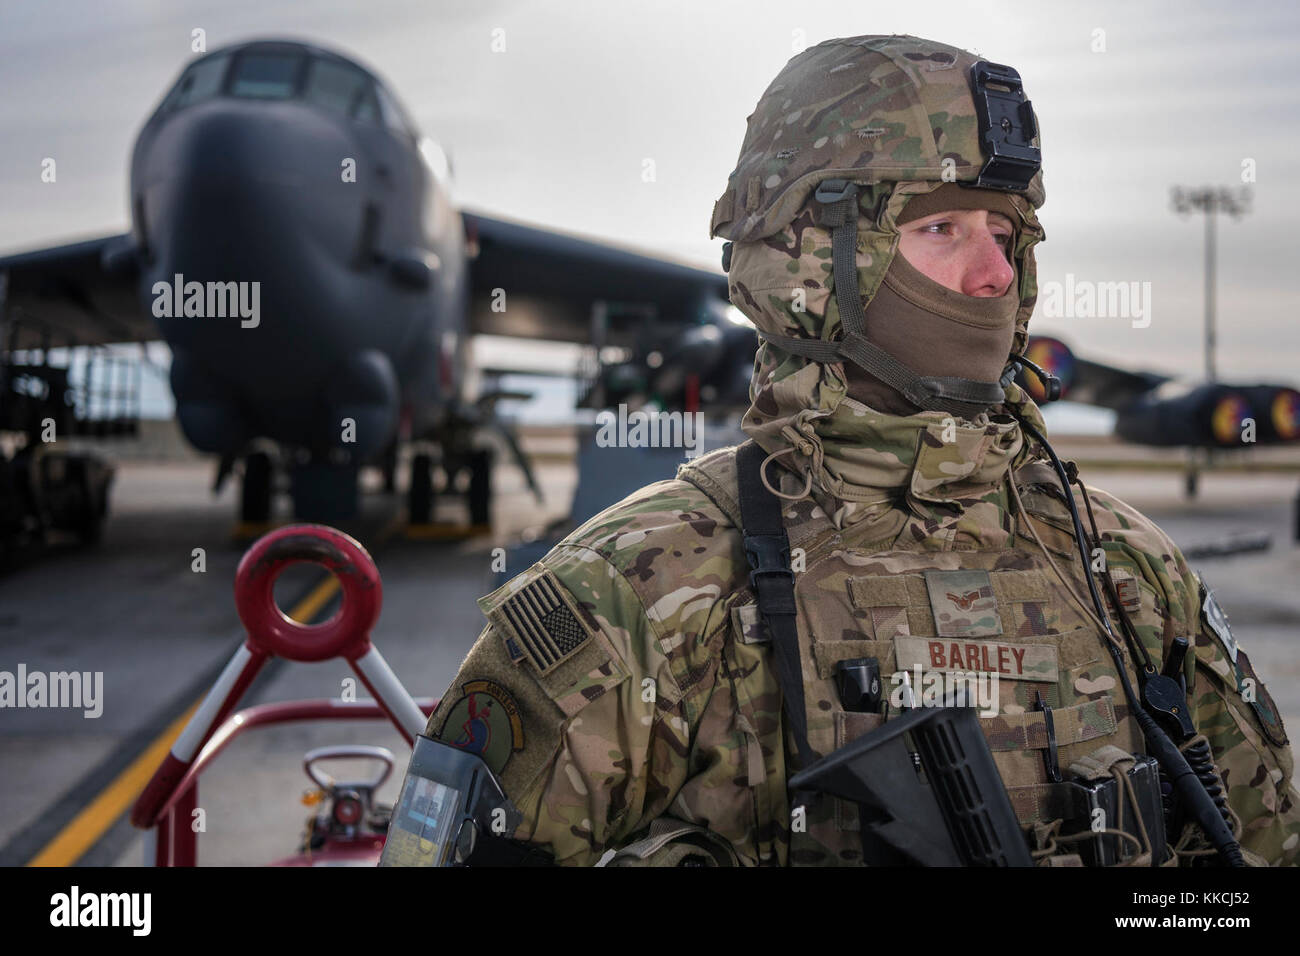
x=729 y=477
x=772 y=581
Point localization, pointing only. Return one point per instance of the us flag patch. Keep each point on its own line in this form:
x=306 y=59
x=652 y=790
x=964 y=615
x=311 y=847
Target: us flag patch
x=542 y=624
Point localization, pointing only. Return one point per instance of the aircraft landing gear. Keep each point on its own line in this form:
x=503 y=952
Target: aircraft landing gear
x=421 y=498
x=94 y=479
x=480 y=487
x=1192 y=474
x=255 y=500
x=389 y=468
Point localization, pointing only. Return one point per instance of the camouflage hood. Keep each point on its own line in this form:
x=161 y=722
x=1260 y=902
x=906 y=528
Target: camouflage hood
x=897 y=115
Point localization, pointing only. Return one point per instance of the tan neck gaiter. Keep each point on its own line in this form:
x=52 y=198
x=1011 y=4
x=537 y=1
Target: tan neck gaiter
x=930 y=328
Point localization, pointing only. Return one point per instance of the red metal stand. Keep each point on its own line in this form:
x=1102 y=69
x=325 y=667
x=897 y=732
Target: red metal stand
x=170 y=797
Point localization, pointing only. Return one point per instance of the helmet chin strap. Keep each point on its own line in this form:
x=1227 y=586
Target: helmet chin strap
x=958 y=396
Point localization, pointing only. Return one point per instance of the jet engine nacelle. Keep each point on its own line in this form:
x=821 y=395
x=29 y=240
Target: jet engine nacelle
x=1211 y=415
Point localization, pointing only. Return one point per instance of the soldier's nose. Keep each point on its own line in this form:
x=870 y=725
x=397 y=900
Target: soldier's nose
x=988 y=273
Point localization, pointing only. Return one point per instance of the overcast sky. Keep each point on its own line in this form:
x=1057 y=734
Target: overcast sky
x=555 y=129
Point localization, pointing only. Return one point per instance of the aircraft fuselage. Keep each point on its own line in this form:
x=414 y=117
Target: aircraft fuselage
x=300 y=254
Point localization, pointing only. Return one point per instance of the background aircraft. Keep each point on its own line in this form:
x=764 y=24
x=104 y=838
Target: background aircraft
x=682 y=367
x=296 y=243
x=1153 y=409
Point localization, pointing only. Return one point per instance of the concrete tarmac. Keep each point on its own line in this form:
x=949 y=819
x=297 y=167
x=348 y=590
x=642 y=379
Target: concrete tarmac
x=135 y=610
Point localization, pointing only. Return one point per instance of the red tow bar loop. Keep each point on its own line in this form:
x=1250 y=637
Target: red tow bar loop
x=347 y=633
x=271 y=632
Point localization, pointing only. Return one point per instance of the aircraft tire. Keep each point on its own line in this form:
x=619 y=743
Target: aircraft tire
x=420 y=498
x=255 y=502
x=389 y=468
x=480 y=487
x=90 y=527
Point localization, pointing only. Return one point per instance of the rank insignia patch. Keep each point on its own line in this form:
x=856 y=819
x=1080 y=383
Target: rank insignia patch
x=541 y=624
x=963 y=603
x=486 y=722
x=1126 y=586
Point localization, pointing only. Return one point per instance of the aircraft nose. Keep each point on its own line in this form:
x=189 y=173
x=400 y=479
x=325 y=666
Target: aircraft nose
x=222 y=187
x=245 y=142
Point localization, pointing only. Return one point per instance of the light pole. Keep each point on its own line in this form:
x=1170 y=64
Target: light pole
x=1210 y=200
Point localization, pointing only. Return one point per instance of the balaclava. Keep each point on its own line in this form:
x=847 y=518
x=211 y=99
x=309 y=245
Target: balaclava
x=876 y=126
x=930 y=328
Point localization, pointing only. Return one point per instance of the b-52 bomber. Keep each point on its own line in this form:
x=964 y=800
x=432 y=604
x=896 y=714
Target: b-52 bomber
x=296 y=242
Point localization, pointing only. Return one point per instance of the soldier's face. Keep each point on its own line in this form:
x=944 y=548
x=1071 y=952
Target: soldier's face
x=965 y=250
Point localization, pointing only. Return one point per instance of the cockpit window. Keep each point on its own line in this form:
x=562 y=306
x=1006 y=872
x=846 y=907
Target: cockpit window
x=339 y=88
x=327 y=82
x=367 y=109
x=199 y=82
x=395 y=117
x=266 y=76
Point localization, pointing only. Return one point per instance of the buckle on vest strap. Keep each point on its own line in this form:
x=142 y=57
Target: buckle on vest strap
x=768 y=555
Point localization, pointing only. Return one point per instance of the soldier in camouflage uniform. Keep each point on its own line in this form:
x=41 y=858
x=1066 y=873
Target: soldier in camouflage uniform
x=623 y=688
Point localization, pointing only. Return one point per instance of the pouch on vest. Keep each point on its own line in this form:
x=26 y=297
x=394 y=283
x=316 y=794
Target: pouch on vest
x=1113 y=793
x=672 y=842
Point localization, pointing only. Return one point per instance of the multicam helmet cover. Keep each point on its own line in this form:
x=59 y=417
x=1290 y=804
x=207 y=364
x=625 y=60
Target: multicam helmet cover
x=897 y=115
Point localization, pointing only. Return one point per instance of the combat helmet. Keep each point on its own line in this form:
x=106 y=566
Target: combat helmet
x=845 y=135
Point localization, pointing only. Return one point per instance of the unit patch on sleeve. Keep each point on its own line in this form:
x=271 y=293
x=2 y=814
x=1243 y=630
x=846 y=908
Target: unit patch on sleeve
x=963 y=603
x=1254 y=692
x=486 y=722
x=541 y=624
x=1249 y=686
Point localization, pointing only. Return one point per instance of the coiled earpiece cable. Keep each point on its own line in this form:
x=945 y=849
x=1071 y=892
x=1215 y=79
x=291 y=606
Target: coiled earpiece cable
x=1161 y=695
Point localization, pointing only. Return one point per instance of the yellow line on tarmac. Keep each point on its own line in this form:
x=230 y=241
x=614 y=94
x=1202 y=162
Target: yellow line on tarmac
x=88 y=826
x=310 y=606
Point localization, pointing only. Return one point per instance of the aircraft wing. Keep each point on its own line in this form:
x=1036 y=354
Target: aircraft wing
x=552 y=280
x=1110 y=387
x=1091 y=383
x=83 y=293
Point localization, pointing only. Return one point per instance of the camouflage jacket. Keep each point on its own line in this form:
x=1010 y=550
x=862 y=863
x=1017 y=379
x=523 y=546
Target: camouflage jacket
x=625 y=678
